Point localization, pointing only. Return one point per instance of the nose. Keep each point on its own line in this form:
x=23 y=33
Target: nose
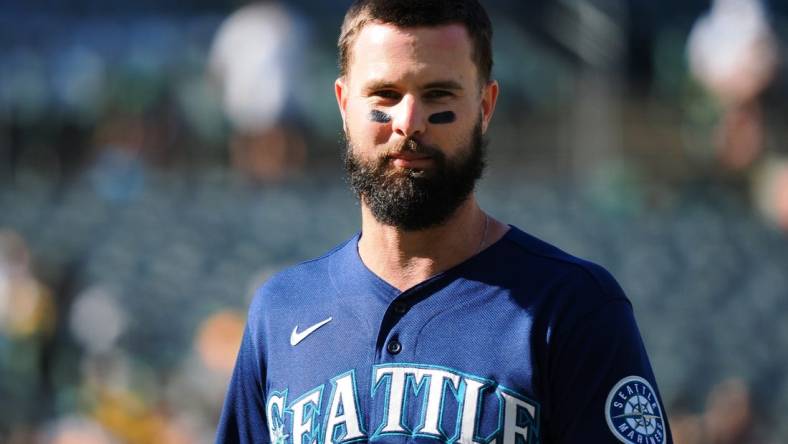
x=408 y=117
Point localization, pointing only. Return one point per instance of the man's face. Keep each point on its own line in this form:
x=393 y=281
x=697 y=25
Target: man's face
x=414 y=114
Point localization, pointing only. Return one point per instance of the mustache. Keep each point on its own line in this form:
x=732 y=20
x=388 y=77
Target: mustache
x=411 y=145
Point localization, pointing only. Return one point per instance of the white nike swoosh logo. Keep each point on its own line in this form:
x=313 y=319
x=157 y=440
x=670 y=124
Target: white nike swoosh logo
x=296 y=336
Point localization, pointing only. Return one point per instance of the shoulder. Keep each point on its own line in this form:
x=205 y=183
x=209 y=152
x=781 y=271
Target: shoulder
x=298 y=283
x=567 y=278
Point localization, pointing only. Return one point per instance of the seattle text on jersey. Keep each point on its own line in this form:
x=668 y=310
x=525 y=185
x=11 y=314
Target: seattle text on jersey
x=450 y=404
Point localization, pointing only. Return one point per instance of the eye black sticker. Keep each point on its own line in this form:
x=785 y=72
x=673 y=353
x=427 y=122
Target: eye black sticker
x=443 y=117
x=379 y=116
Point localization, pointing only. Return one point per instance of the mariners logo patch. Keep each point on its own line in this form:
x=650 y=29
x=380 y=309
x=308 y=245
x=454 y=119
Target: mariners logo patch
x=633 y=412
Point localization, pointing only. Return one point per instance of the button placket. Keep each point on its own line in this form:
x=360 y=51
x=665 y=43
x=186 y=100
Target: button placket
x=393 y=344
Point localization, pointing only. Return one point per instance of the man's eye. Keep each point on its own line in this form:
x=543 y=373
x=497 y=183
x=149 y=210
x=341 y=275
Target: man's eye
x=387 y=94
x=437 y=94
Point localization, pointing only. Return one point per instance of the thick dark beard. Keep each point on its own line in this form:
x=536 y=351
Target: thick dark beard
x=414 y=199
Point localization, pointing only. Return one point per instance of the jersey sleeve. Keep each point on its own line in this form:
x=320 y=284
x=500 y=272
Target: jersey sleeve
x=602 y=386
x=243 y=414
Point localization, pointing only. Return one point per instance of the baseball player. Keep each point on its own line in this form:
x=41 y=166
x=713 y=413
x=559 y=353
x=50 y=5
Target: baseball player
x=436 y=322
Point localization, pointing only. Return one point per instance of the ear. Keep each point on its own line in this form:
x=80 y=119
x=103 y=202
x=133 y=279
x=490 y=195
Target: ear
x=341 y=91
x=489 y=98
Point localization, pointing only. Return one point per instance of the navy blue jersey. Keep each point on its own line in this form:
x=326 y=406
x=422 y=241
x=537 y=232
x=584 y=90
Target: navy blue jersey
x=522 y=343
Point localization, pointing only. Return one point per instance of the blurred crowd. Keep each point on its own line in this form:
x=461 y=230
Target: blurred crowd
x=158 y=162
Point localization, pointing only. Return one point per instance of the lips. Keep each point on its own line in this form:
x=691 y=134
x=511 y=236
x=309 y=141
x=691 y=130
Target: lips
x=406 y=155
x=410 y=160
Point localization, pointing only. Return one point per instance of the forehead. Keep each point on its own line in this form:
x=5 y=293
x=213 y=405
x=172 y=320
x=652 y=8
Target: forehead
x=384 y=50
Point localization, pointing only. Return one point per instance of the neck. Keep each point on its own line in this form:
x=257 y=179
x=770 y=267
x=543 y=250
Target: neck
x=406 y=258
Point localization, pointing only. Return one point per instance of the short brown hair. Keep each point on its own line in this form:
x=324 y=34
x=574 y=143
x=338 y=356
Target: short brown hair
x=413 y=13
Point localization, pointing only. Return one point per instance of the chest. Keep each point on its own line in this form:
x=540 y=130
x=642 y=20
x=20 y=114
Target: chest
x=446 y=366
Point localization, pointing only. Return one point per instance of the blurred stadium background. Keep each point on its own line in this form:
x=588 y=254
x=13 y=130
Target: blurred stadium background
x=159 y=159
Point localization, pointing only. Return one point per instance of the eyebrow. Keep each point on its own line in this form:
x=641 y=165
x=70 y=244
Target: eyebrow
x=443 y=84
x=378 y=85
x=439 y=84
